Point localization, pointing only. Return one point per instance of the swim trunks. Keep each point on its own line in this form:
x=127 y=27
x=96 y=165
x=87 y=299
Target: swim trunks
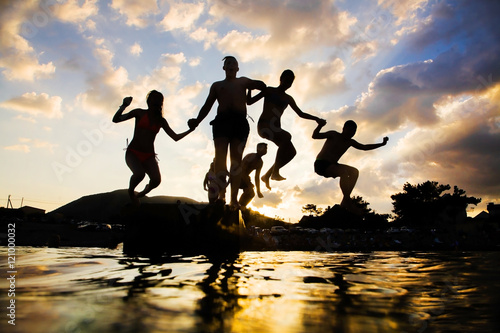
x=230 y=125
x=271 y=130
x=320 y=167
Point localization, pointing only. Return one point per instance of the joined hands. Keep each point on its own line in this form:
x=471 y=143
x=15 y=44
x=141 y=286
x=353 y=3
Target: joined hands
x=321 y=122
x=193 y=123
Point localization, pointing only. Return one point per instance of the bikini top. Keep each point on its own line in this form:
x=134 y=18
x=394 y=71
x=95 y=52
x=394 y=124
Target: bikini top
x=144 y=122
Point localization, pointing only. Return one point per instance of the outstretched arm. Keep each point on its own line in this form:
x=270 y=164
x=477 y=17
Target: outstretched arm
x=299 y=112
x=253 y=84
x=172 y=134
x=361 y=146
x=316 y=132
x=251 y=100
x=205 y=109
x=119 y=116
x=256 y=84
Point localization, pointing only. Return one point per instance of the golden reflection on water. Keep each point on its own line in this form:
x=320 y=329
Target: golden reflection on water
x=98 y=290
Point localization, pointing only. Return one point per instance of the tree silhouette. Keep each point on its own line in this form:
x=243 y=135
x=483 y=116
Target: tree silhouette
x=361 y=204
x=424 y=204
x=338 y=217
x=312 y=209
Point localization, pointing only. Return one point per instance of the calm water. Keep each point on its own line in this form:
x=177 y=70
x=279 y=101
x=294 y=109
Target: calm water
x=101 y=290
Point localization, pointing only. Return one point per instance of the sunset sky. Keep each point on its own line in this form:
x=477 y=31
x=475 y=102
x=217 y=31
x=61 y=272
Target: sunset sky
x=424 y=73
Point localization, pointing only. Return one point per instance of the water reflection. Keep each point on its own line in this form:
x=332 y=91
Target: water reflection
x=95 y=290
x=221 y=296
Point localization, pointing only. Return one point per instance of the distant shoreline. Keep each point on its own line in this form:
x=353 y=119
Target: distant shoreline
x=281 y=238
x=107 y=219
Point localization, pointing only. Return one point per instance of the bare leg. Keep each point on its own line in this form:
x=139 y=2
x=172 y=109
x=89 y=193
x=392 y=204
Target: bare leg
x=247 y=196
x=220 y=165
x=134 y=181
x=138 y=174
x=286 y=152
x=153 y=171
x=267 y=133
x=267 y=176
x=348 y=179
x=236 y=152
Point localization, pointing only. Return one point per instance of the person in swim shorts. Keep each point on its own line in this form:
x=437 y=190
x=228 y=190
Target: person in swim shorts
x=140 y=155
x=276 y=100
x=230 y=127
x=336 y=145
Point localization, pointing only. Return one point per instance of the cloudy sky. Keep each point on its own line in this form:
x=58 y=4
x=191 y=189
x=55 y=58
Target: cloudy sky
x=424 y=73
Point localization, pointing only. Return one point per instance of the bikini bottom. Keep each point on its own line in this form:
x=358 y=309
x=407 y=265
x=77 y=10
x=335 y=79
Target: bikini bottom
x=142 y=156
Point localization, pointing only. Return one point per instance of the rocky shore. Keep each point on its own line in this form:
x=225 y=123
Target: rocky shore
x=66 y=234
x=168 y=228
x=175 y=224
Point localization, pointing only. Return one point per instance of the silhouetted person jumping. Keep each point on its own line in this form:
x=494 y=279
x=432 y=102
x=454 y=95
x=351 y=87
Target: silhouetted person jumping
x=336 y=145
x=140 y=155
x=230 y=127
x=251 y=162
x=269 y=125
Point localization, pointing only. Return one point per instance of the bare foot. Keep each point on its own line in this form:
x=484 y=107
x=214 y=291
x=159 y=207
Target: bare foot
x=265 y=179
x=277 y=176
x=144 y=192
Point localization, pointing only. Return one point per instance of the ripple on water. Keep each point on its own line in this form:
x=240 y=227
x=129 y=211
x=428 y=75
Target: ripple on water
x=93 y=290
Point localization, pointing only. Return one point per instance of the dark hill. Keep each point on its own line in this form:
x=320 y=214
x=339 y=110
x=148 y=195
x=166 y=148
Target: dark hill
x=107 y=207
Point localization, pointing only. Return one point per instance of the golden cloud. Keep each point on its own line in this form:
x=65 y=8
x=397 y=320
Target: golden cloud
x=34 y=104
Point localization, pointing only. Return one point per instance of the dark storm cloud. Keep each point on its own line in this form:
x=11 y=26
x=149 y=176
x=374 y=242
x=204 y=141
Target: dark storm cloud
x=469 y=65
x=450 y=101
x=472 y=28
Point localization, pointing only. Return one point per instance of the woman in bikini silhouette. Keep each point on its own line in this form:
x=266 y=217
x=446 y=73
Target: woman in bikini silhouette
x=140 y=155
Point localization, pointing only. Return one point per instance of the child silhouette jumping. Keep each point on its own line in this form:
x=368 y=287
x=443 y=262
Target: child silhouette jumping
x=251 y=162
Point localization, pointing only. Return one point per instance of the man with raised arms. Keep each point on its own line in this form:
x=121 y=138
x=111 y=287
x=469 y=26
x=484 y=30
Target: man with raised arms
x=230 y=127
x=335 y=146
